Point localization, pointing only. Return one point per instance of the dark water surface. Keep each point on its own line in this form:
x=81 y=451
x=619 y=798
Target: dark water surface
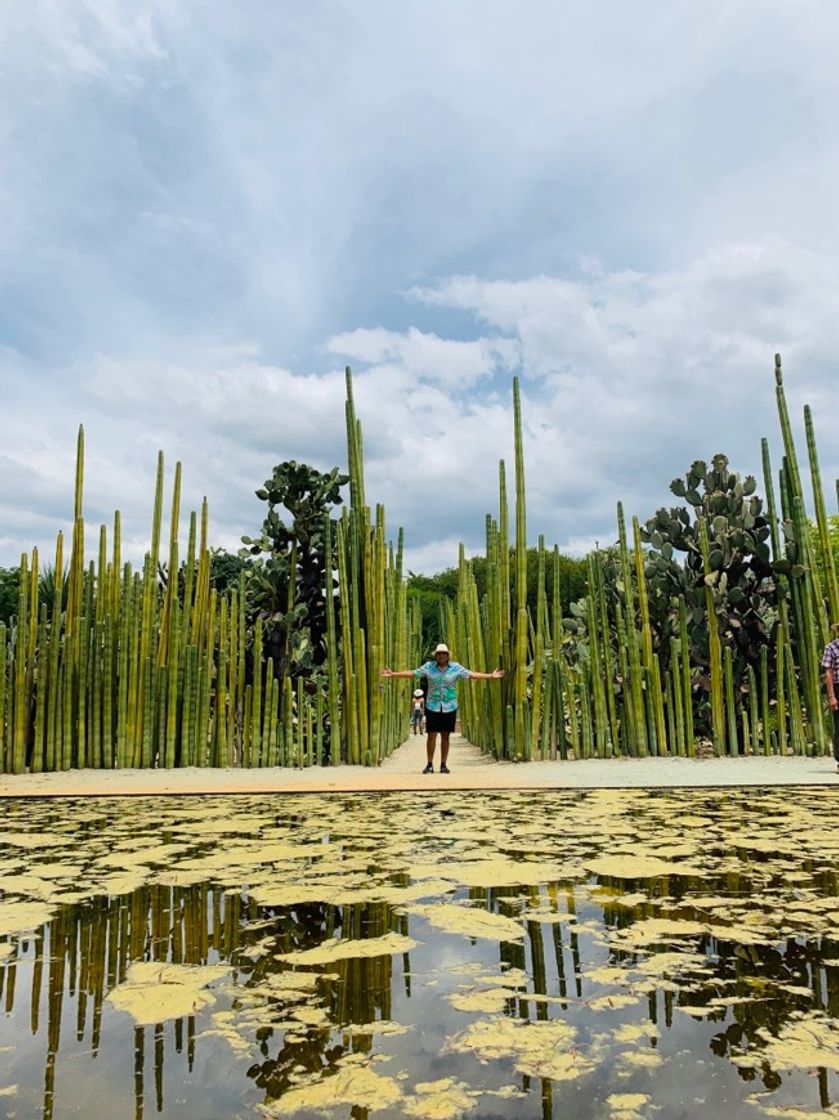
x=610 y=955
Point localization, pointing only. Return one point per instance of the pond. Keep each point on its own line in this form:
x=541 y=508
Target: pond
x=611 y=955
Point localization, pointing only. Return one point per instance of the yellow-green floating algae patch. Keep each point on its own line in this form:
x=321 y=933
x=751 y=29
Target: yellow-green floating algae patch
x=491 y=873
x=641 y=867
x=627 y=1106
x=23 y=917
x=483 y=1001
x=444 y=1099
x=607 y=975
x=652 y=931
x=384 y=1028
x=549 y=917
x=537 y=1049
x=354 y=1084
x=338 y=891
x=350 y=949
x=33 y=840
x=806 y=1041
x=469 y=921
x=153 y=992
x=120 y=883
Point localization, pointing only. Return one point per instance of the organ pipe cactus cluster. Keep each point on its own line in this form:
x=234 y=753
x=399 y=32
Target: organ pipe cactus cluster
x=658 y=657
x=706 y=625
x=375 y=628
x=121 y=672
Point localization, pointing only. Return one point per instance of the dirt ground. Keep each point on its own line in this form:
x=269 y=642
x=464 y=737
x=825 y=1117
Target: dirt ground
x=402 y=771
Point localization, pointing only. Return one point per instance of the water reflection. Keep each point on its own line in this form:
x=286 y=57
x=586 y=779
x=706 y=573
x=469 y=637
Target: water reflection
x=648 y=941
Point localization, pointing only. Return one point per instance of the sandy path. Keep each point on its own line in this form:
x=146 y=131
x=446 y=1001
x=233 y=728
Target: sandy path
x=402 y=771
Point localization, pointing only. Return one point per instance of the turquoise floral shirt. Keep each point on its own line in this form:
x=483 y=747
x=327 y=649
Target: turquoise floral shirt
x=442 y=690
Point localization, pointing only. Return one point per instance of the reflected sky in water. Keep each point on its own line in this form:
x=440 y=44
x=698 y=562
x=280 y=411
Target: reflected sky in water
x=608 y=954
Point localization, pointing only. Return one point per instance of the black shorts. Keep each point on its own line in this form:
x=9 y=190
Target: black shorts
x=439 y=721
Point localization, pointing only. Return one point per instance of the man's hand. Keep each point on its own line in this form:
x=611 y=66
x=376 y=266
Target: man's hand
x=387 y=672
x=834 y=703
x=497 y=673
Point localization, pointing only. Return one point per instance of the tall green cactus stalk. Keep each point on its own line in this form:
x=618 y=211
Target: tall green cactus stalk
x=826 y=552
x=5 y=752
x=332 y=651
x=541 y=642
x=254 y=740
x=288 y=724
x=350 y=713
x=782 y=580
x=635 y=672
x=373 y=621
x=675 y=699
x=758 y=733
x=19 y=701
x=670 y=715
x=504 y=546
x=605 y=634
x=171 y=593
x=764 y=701
x=519 y=667
x=686 y=679
x=657 y=735
x=731 y=712
x=716 y=698
x=780 y=672
x=811 y=625
x=300 y=738
x=602 y=732
x=810 y=640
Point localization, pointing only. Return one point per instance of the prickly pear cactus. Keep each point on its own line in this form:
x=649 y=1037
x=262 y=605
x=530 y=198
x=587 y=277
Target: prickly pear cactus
x=742 y=577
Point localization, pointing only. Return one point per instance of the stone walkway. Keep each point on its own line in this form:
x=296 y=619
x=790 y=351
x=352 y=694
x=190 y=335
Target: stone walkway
x=471 y=770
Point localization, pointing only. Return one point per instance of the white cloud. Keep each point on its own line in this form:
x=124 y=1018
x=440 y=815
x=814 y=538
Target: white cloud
x=435 y=556
x=628 y=378
x=269 y=172
x=89 y=38
x=453 y=361
x=204 y=219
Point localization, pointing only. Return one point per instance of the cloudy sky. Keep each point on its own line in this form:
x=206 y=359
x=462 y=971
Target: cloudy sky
x=208 y=209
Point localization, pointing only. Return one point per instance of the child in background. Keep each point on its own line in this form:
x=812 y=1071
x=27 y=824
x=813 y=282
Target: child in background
x=418 y=712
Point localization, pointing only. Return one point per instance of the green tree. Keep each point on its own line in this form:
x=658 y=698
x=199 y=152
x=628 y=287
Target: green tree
x=9 y=587
x=49 y=587
x=432 y=604
x=433 y=591
x=225 y=569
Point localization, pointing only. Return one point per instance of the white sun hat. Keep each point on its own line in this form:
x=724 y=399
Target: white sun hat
x=417 y=692
x=442 y=648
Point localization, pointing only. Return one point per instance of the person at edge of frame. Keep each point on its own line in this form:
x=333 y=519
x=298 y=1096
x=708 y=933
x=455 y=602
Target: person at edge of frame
x=830 y=664
x=441 y=701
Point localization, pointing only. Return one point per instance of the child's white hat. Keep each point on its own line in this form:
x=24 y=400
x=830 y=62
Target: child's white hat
x=417 y=692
